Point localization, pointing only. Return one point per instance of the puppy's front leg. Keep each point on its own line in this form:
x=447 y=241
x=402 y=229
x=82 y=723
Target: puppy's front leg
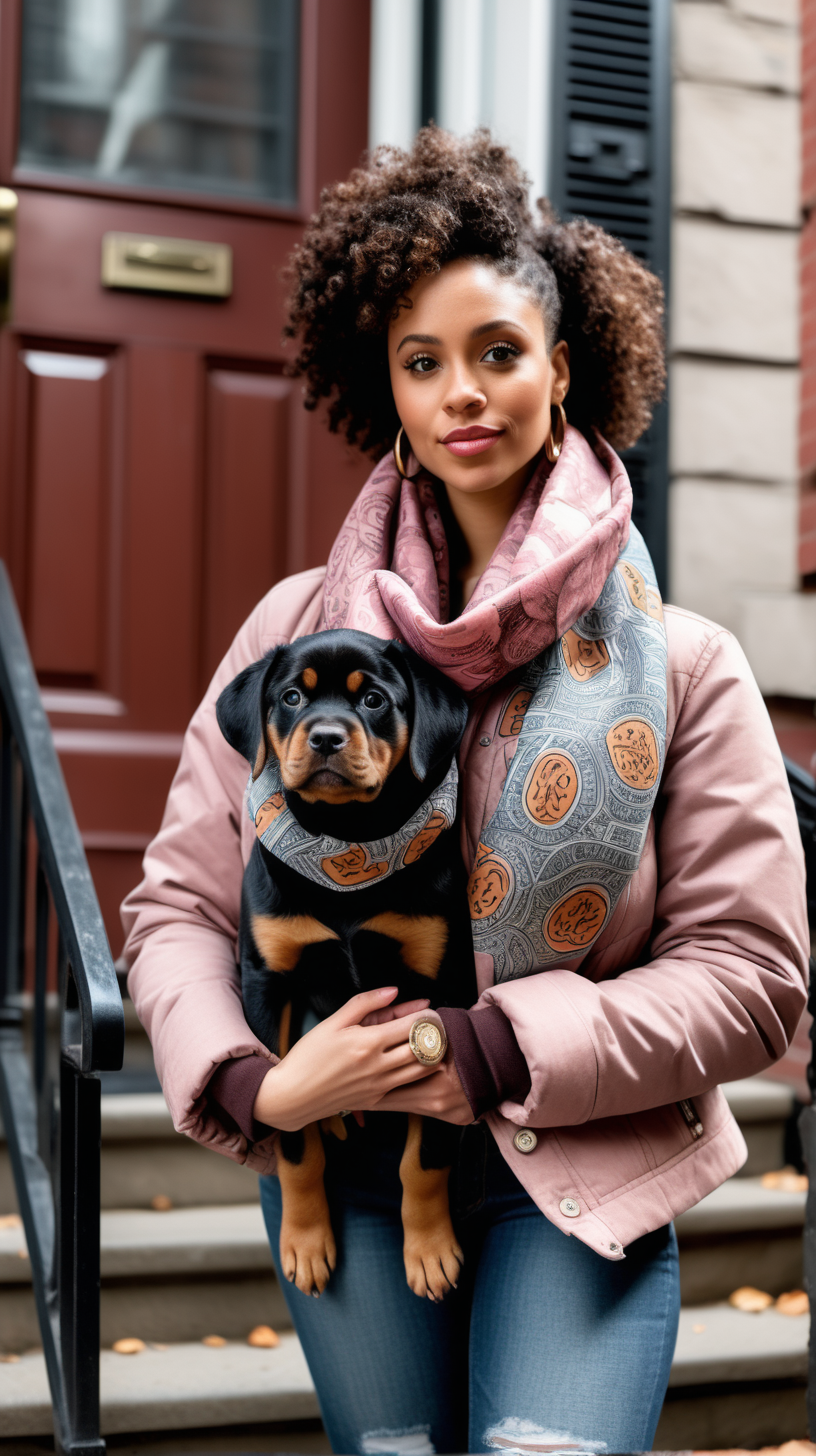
x=307 y=1248
x=431 y=1251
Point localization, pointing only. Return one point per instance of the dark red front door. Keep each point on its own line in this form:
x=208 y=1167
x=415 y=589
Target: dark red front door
x=157 y=470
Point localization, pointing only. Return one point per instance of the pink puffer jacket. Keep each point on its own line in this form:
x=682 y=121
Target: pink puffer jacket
x=698 y=978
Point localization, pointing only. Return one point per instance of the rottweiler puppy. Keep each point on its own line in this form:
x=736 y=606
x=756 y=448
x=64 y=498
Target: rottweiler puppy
x=360 y=884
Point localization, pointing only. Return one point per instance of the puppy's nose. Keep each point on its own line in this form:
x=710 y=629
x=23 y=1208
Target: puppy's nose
x=328 y=738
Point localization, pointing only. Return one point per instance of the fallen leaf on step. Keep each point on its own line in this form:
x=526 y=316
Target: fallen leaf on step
x=752 y=1301
x=9 y=1359
x=263 y=1338
x=785 y=1180
x=161 y=1203
x=214 y=1341
x=128 y=1346
x=794 y=1302
x=11 y=1220
x=697 y=1329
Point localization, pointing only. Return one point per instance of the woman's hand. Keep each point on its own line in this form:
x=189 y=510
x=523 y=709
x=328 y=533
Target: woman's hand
x=350 y=1060
x=439 y=1095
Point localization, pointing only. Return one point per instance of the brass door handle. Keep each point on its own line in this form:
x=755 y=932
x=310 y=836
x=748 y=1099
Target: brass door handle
x=8 y=217
x=166 y=265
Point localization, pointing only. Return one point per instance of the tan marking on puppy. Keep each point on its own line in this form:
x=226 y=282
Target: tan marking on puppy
x=336 y=1126
x=354 y=681
x=309 y=678
x=307 y=1248
x=432 y=1254
x=281 y=938
x=422 y=939
x=260 y=760
x=285 y=1029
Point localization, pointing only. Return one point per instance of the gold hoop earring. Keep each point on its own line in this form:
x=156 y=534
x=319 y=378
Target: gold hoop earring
x=398 y=454
x=555 y=444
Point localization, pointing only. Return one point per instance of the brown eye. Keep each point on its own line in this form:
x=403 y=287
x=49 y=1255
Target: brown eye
x=373 y=700
x=292 y=699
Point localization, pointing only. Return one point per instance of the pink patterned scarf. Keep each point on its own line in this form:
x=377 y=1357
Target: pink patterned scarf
x=388 y=570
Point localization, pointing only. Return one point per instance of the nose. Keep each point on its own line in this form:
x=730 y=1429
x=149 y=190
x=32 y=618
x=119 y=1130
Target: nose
x=327 y=738
x=464 y=392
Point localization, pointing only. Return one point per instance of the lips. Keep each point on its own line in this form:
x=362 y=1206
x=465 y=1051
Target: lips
x=471 y=441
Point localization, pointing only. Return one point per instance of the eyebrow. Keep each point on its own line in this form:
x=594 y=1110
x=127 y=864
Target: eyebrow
x=494 y=326
x=418 y=339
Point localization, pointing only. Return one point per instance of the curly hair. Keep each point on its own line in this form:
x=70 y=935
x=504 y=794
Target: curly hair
x=404 y=215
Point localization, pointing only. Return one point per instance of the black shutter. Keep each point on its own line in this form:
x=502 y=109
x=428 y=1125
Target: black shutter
x=611 y=164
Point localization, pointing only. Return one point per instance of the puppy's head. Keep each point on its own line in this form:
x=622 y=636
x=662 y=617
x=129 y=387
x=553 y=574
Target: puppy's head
x=340 y=711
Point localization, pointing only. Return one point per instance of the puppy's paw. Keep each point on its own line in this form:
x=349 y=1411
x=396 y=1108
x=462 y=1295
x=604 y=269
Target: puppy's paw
x=308 y=1256
x=433 y=1260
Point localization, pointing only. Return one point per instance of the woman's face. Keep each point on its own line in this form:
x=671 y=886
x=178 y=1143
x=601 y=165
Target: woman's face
x=472 y=380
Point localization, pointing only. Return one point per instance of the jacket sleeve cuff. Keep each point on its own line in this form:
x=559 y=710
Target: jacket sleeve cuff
x=487 y=1056
x=233 y=1087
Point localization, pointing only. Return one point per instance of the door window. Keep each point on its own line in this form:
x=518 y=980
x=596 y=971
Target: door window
x=183 y=95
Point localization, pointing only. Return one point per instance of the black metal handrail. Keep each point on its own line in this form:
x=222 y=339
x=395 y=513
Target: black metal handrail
x=50 y=1093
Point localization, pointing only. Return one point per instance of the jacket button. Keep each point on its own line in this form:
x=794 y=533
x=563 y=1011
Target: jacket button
x=570 y=1206
x=525 y=1140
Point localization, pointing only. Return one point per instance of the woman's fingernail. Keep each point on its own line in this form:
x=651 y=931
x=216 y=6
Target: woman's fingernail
x=388 y=990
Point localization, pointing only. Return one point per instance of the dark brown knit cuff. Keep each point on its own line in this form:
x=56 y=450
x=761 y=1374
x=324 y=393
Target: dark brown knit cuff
x=233 y=1088
x=487 y=1056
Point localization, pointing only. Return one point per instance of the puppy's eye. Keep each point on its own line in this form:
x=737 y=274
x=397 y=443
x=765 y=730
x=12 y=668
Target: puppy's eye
x=373 y=700
x=292 y=699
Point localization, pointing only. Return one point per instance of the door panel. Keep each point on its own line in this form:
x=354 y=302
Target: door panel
x=247 y=469
x=158 y=473
x=67 y=483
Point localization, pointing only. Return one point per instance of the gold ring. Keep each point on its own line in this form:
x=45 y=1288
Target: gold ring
x=428 y=1042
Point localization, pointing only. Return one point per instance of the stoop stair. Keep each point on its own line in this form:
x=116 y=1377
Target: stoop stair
x=202 y=1267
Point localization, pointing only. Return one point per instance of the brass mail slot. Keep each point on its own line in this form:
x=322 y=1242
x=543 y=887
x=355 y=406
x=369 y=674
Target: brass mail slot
x=169 y=265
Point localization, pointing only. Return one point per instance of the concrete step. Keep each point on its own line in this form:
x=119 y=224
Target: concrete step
x=170 y=1276
x=741 y=1233
x=762 y=1109
x=191 y=1385
x=143 y=1155
x=185 y=1385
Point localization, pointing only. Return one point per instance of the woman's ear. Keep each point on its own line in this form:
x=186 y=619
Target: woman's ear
x=439 y=710
x=241 y=710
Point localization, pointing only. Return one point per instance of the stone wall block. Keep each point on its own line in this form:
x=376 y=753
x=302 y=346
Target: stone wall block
x=712 y=43
x=738 y=420
x=736 y=153
x=726 y=538
x=735 y=291
x=776 y=12
x=778 y=634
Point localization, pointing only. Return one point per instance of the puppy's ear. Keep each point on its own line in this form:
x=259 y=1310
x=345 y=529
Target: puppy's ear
x=240 y=710
x=440 y=710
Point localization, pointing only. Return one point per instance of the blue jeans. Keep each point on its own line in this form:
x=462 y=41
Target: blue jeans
x=544 y=1345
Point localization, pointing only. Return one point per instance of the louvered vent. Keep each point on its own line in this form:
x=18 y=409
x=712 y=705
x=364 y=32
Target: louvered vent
x=610 y=163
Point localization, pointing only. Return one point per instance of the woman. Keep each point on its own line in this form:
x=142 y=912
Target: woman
x=629 y=957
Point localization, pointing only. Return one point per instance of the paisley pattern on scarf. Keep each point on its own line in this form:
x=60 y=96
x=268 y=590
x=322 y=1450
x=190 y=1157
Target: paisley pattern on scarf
x=569 y=829
x=334 y=863
x=388 y=571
